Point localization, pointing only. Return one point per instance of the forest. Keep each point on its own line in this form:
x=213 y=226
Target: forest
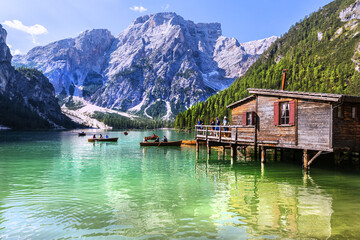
x=320 y=54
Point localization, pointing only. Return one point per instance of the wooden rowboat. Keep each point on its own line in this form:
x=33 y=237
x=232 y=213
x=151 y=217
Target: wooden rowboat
x=151 y=137
x=189 y=142
x=161 y=144
x=192 y=142
x=80 y=134
x=102 y=139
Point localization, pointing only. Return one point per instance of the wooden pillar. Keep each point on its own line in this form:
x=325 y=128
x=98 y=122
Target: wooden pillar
x=306 y=159
x=263 y=154
x=208 y=148
x=275 y=154
x=256 y=152
x=197 y=145
x=233 y=151
x=337 y=158
x=259 y=153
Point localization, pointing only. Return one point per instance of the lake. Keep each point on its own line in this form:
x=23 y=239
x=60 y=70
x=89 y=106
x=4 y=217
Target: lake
x=56 y=185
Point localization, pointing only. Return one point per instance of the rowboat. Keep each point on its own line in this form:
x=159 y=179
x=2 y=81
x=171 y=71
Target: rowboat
x=81 y=134
x=102 y=139
x=152 y=137
x=161 y=144
x=189 y=142
x=126 y=133
x=192 y=142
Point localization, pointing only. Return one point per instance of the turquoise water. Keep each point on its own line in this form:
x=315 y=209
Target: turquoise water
x=56 y=185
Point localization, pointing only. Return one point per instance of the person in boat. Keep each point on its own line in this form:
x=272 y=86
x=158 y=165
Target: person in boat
x=145 y=140
x=106 y=136
x=153 y=135
x=157 y=139
x=101 y=136
x=94 y=136
x=164 y=139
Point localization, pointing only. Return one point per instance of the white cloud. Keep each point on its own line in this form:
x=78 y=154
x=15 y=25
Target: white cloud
x=14 y=52
x=166 y=7
x=33 y=30
x=138 y=9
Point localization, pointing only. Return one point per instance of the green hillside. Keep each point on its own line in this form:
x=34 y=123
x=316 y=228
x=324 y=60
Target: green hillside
x=319 y=53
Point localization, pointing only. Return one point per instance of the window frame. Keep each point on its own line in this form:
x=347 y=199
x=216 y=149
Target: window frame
x=284 y=119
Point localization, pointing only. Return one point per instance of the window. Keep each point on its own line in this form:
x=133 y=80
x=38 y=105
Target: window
x=284 y=113
x=340 y=112
x=248 y=119
x=353 y=112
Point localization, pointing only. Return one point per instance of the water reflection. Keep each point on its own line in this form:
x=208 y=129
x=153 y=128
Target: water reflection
x=268 y=207
x=70 y=188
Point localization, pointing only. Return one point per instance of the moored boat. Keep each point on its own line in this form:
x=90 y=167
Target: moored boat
x=80 y=134
x=152 y=137
x=189 y=142
x=161 y=144
x=102 y=139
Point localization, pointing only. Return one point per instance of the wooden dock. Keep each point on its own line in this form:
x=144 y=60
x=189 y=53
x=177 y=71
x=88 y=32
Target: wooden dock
x=316 y=123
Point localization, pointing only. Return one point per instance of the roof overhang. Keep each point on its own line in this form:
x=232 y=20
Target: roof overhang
x=326 y=97
x=242 y=101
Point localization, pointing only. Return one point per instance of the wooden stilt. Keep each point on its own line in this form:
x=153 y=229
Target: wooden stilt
x=306 y=159
x=263 y=154
x=314 y=157
x=256 y=152
x=259 y=155
x=208 y=148
x=337 y=158
x=275 y=154
x=197 y=146
x=233 y=151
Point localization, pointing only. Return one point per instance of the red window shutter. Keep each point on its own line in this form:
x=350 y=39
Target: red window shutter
x=276 y=113
x=253 y=118
x=244 y=119
x=292 y=105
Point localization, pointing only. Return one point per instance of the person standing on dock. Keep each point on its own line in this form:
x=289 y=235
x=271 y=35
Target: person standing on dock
x=217 y=124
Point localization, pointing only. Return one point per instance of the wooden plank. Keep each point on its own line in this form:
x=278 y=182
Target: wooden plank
x=314 y=157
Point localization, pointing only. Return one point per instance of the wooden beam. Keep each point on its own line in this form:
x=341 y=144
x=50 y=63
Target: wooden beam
x=314 y=157
x=263 y=154
x=306 y=159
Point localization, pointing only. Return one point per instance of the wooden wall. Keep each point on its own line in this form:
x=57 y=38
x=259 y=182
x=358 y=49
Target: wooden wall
x=314 y=124
x=237 y=113
x=267 y=131
x=346 y=131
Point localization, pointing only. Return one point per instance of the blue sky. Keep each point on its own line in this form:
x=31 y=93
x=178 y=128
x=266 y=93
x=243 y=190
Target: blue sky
x=37 y=22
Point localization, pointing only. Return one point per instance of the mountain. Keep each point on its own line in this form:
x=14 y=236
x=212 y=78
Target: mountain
x=158 y=66
x=321 y=54
x=26 y=95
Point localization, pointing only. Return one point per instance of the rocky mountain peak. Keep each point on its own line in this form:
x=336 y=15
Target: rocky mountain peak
x=5 y=54
x=159 y=61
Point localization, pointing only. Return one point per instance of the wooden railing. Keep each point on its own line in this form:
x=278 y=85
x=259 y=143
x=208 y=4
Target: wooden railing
x=231 y=133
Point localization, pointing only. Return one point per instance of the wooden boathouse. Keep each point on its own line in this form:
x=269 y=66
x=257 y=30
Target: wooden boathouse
x=316 y=123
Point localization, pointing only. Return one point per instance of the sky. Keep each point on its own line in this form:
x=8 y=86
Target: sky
x=31 y=23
